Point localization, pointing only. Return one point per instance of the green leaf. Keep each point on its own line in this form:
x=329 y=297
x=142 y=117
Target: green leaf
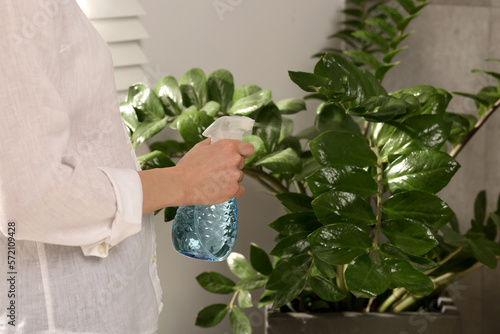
x=354 y=12
x=289 y=278
x=170 y=213
x=379 y=108
x=404 y=275
x=193 y=85
x=341 y=148
x=146 y=130
x=287 y=130
x=260 y=260
x=343 y=207
x=309 y=82
x=170 y=147
x=496 y=219
x=451 y=237
x=363 y=58
x=250 y=104
x=283 y=162
x=408 y=5
x=239 y=266
x=382 y=25
x=480 y=207
x=417 y=262
x=291 y=246
x=215 y=282
x=426 y=170
x=220 y=86
x=332 y=116
x=296 y=222
x=339 y=243
x=295 y=202
x=392 y=12
x=324 y=268
x=309 y=166
x=211 y=315
x=245 y=299
x=191 y=124
x=252 y=282
x=372 y=38
x=211 y=108
x=291 y=106
x=342 y=178
x=258 y=146
x=404 y=23
x=366 y=279
x=266 y=298
x=268 y=126
x=411 y=236
x=146 y=103
x=170 y=95
x=244 y=91
x=481 y=250
x=420 y=206
x=239 y=322
x=155 y=159
x=389 y=56
x=326 y=290
x=129 y=116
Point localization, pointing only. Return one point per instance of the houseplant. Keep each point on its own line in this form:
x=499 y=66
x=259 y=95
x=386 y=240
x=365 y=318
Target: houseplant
x=399 y=129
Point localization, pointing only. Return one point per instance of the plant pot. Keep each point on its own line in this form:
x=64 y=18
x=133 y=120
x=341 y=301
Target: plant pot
x=447 y=322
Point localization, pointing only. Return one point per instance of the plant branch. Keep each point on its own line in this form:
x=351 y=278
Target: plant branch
x=396 y=295
x=443 y=261
x=266 y=180
x=380 y=192
x=457 y=149
x=231 y=303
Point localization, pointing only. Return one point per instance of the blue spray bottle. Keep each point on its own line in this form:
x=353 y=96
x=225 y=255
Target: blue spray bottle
x=208 y=232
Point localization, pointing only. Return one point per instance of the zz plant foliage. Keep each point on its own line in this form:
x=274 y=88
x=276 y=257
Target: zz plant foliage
x=364 y=229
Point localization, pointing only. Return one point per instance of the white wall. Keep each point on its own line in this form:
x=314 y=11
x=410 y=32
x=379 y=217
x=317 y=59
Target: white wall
x=258 y=41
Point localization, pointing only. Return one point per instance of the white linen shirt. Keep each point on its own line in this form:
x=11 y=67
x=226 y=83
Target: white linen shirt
x=82 y=256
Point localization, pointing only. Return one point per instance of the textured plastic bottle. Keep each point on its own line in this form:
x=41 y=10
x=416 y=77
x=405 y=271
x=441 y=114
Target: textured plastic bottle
x=208 y=232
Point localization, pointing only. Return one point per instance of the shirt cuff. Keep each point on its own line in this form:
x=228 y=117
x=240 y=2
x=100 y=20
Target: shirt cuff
x=128 y=218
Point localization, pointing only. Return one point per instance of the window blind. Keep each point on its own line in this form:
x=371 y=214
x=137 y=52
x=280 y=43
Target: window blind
x=117 y=21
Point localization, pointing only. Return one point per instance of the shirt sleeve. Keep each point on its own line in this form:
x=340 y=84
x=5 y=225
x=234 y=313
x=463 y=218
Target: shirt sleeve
x=52 y=196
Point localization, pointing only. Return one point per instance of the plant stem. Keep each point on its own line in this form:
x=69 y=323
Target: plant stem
x=380 y=192
x=443 y=261
x=231 y=303
x=457 y=149
x=396 y=295
x=266 y=180
x=300 y=187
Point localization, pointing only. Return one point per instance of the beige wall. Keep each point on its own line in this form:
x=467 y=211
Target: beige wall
x=258 y=41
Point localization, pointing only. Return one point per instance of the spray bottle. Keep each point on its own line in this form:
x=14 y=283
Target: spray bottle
x=208 y=232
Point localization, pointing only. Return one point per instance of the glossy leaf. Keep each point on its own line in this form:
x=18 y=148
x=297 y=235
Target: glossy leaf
x=295 y=202
x=291 y=106
x=239 y=322
x=215 y=283
x=339 y=243
x=366 y=279
x=170 y=95
x=170 y=213
x=244 y=91
x=193 y=86
x=191 y=125
x=425 y=170
x=289 y=278
x=420 y=206
x=260 y=260
x=259 y=148
x=211 y=315
x=296 y=222
x=324 y=268
x=146 y=130
x=129 y=116
x=266 y=298
x=284 y=162
x=211 y=108
x=250 y=104
x=251 y=282
x=342 y=178
x=239 y=266
x=326 y=290
x=332 y=116
x=343 y=207
x=417 y=262
x=411 y=236
x=268 y=126
x=245 y=299
x=286 y=129
x=341 y=148
x=291 y=246
x=405 y=276
x=155 y=159
x=146 y=103
x=220 y=88
x=309 y=82
x=379 y=108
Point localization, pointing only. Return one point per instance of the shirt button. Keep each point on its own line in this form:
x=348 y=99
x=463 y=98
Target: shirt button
x=153 y=260
x=101 y=249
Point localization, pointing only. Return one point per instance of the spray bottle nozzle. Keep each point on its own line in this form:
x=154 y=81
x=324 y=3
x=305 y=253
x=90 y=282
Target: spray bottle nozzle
x=229 y=127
